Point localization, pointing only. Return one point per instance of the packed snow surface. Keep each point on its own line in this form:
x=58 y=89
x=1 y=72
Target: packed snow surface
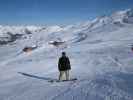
x=99 y=51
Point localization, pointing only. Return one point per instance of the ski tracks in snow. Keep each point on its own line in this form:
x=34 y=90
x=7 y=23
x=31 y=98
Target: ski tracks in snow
x=69 y=88
x=101 y=88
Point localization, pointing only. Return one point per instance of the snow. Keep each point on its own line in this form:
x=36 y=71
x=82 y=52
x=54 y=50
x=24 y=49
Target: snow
x=100 y=55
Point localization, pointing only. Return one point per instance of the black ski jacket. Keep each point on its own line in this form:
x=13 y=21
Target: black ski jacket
x=64 y=63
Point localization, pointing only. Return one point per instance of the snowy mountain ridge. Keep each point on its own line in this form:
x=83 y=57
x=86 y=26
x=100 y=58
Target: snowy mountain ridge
x=119 y=16
x=115 y=21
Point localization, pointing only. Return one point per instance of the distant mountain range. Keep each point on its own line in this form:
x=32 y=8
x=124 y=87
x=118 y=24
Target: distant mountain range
x=113 y=22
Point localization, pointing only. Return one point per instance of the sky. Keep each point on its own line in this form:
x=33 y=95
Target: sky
x=38 y=12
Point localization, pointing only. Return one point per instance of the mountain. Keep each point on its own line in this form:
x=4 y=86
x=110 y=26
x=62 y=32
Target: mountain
x=123 y=16
x=99 y=50
x=113 y=22
x=104 y=23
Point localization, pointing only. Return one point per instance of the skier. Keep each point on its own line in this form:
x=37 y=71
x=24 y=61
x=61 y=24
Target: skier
x=64 y=67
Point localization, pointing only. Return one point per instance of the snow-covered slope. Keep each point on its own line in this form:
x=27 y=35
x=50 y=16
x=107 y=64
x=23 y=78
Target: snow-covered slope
x=99 y=51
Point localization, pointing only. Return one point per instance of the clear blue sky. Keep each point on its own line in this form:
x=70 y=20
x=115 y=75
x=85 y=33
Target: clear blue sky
x=15 y=12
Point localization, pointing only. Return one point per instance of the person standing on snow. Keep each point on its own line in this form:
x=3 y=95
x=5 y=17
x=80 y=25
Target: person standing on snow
x=64 y=67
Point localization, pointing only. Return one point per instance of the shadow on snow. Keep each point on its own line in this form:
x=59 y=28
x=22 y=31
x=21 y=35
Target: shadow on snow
x=37 y=77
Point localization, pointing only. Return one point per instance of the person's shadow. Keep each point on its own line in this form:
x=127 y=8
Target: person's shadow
x=37 y=77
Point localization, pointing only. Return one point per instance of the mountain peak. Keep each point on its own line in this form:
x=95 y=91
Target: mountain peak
x=123 y=16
